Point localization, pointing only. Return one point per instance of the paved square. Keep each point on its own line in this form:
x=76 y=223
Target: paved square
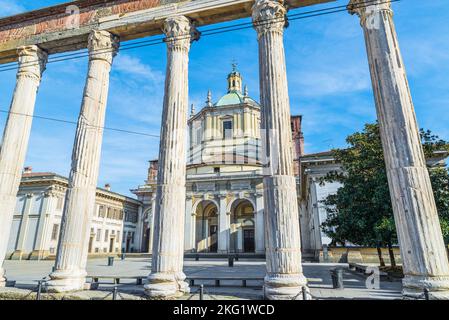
x=26 y=273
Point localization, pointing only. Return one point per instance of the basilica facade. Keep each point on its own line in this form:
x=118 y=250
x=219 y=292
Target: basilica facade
x=224 y=183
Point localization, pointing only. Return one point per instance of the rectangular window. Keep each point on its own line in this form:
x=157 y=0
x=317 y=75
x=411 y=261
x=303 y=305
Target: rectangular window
x=59 y=203
x=54 y=232
x=118 y=237
x=98 y=235
x=101 y=211
x=106 y=235
x=227 y=129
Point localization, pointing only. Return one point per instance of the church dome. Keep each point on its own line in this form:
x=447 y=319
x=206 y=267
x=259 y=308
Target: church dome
x=231 y=98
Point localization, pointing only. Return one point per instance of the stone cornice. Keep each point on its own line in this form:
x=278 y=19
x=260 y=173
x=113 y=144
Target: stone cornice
x=51 y=28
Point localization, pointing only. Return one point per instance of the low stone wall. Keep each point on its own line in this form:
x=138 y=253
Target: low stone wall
x=358 y=255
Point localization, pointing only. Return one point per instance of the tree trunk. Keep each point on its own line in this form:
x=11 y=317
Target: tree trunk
x=379 y=254
x=391 y=253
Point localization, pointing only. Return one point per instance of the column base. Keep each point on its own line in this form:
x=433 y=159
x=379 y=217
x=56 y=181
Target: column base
x=166 y=286
x=437 y=287
x=285 y=287
x=66 y=281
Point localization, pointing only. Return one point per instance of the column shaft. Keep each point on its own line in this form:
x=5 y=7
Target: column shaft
x=32 y=61
x=423 y=253
x=80 y=198
x=284 y=279
x=167 y=278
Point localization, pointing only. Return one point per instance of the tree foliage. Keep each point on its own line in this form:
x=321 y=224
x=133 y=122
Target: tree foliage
x=361 y=211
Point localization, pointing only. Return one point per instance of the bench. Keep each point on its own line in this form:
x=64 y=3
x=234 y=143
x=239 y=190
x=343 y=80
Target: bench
x=363 y=269
x=116 y=279
x=218 y=281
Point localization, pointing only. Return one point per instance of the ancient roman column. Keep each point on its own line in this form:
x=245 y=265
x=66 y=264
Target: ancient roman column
x=424 y=257
x=167 y=278
x=70 y=267
x=284 y=279
x=32 y=61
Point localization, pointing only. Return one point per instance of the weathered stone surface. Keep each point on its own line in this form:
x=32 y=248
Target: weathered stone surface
x=80 y=198
x=54 y=28
x=167 y=278
x=15 y=138
x=284 y=279
x=423 y=252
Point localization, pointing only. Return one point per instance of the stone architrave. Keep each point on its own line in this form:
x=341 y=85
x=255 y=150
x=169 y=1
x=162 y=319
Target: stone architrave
x=167 y=277
x=284 y=278
x=425 y=261
x=32 y=61
x=70 y=266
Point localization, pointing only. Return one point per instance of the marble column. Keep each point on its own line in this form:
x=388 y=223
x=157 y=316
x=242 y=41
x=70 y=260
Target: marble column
x=71 y=259
x=284 y=279
x=423 y=253
x=167 y=278
x=259 y=224
x=224 y=221
x=15 y=138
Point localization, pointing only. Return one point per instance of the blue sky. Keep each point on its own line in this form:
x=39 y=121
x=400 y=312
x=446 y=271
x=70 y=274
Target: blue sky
x=328 y=80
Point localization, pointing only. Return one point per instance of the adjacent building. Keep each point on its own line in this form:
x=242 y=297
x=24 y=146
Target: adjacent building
x=37 y=219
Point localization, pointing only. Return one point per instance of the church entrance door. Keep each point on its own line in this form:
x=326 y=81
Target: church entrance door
x=248 y=240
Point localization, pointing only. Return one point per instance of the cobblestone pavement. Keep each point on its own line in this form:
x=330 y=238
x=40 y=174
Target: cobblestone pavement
x=26 y=274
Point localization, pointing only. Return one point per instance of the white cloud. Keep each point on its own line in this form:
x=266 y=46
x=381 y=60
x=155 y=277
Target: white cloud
x=132 y=66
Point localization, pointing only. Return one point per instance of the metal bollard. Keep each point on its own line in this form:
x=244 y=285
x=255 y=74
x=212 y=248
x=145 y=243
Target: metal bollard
x=337 y=278
x=202 y=292
x=197 y=257
x=304 y=293
x=39 y=290
x=123 y=256
x=114 y=293
x=230 y=261
x=426 y=294
x=110 y=261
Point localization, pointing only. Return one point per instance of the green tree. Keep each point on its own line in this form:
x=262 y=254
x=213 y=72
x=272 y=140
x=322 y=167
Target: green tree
x=361 y=211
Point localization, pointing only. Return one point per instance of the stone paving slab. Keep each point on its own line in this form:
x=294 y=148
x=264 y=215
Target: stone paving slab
x=26 y=273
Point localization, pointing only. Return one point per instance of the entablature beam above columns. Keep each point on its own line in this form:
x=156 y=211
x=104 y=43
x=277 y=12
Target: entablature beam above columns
x=53 y=29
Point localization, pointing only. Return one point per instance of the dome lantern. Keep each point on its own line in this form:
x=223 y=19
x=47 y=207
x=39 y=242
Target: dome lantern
x=234 y=80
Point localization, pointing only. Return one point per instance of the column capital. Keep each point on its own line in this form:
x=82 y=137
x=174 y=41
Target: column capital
x=102 y=45
x=180 y=31
x=32 y=61
x=365 y=9
x=269 y=15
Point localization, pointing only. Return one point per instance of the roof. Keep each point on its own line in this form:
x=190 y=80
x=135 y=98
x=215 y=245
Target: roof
x=46 y=176
x=230 y=98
